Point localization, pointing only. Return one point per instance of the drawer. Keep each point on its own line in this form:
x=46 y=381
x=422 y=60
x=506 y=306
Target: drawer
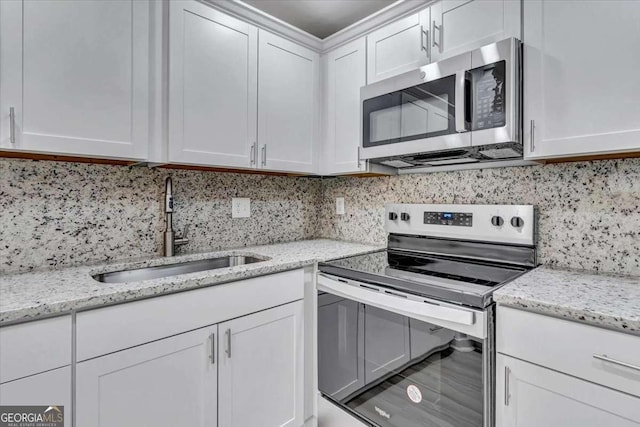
x=571 y=347
x=34 y=347
x=117 y=327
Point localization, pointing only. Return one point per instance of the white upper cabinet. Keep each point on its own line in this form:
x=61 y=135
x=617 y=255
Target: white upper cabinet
x=213 y=87
x=399 y=47
x=581 y=86
x=458 y=26
x=345 y=74
x=288 y=107
x=76 y=76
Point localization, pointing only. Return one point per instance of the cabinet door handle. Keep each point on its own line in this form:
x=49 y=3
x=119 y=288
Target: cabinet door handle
x=606 y=358
x=532 y=143
x=212 y=337
x=228 y=350
x=424 y=40
x=438 y=43
x=253 y=153
x=12 y=125
x=507 y=373
x=359 y=159
x=264 y=155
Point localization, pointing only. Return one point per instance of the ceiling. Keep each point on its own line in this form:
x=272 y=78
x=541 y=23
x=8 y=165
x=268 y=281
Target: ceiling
x=320 y=17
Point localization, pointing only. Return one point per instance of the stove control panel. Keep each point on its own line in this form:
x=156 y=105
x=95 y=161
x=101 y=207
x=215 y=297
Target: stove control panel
x=485 y=223
x=460 y=219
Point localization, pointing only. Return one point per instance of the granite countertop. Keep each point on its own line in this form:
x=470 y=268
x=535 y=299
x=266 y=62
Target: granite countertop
x=30 y=295
x=598 y=299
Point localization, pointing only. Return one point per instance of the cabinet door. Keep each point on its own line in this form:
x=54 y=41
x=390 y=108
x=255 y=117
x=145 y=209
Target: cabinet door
x=52 y=388
x=170 y=382
x=287 y=104
x=213 y=87
x=346 y=74
x=340 y=346
x=261 y=368
x=531 y=396
x=462 y=25
x=76 y=74
x=399 y=47
x=386 y=342
x=581 y=84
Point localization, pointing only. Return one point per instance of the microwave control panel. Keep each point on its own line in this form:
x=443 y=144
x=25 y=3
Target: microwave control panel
x=461 y=219
x=488 y=96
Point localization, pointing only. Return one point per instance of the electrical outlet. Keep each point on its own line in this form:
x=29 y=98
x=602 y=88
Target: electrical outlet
x=240 y=207
x=340 y=205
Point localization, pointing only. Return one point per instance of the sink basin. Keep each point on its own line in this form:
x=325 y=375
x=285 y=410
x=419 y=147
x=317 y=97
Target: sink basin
x=156 y=272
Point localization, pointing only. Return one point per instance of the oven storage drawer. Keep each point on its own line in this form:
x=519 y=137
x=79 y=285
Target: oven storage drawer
x=595 y=354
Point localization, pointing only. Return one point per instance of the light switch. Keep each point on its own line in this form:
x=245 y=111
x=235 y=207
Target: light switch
x=340 y=205
x=240 y=207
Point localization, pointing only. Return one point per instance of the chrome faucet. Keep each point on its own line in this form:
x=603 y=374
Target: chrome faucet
x=170 y=239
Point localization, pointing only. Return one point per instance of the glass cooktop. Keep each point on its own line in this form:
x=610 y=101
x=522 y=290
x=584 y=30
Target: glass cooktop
x=453 y=279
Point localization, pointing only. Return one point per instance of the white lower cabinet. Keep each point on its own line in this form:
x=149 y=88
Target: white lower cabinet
x=562 y=373
x=261 y=369
x=170 y=382
x=52 y=388
x=532 y=396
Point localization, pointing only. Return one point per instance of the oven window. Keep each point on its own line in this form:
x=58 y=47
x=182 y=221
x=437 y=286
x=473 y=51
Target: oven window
x=395 y=371
x=421 y=111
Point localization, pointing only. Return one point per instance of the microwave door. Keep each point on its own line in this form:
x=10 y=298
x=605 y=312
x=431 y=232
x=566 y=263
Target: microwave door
x=416 y=112
x=495 y=86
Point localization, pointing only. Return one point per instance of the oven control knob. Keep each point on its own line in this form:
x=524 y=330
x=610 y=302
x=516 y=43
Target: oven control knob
x=517 y=222
x=404 y=216
x=393 y=216
x=497 y=221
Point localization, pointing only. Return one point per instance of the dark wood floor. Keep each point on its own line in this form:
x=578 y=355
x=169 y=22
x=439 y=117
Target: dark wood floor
x=451 y=385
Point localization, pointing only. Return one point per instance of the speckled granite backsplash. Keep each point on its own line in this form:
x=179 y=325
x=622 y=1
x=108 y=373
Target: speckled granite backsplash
x=589 y=212
x=57 y=214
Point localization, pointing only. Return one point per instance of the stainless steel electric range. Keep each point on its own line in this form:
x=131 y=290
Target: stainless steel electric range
x=406 y=335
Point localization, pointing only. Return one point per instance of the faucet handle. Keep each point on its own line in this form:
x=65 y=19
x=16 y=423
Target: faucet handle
x=185 y=232
x=182 y=239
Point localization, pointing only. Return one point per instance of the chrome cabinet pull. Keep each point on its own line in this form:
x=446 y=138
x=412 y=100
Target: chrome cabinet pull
x=12 y=125
x=228 y=350
x=212 y=337
x=439 y=42
x=606 y=358
x=424 y=40
x=253 y=153
x=532 y=144
x=359 y=159
x=264 y=155
x=507 y=372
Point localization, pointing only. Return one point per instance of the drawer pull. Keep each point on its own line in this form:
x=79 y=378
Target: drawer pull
x=605 y=358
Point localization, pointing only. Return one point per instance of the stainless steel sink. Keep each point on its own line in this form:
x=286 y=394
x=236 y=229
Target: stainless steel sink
x=156 y=272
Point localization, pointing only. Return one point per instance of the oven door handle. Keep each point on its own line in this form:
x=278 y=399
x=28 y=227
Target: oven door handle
x=418 y=310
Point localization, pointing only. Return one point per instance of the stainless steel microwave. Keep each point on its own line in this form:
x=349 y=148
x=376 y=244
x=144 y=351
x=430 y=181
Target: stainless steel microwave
x=464 y=109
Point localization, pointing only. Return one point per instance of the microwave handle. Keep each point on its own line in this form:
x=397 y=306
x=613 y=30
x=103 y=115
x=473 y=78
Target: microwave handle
x=461 y=100
x=414 y=309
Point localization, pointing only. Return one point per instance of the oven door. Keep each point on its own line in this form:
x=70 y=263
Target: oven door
x=419 y=111
x=393 y=361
